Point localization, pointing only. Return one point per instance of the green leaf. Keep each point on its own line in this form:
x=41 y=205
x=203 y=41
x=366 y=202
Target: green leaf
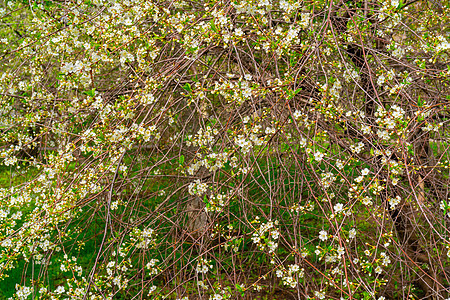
x=187 y=87
x=420 y=102
x=240 y=289
x=213 y=26
x=181 y=159
x=90 y=93
x=410 y=149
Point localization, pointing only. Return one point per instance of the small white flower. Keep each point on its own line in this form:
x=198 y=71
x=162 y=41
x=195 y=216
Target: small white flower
x=352 y=233
x=378 y=270
x=151 y=290
x=297 y=114
x=216 y=297
x=203 y=266
x=366 y=129
x=365 y=172
x=340 y=251
x=366 y=201
x=60 y=289
x=393 y=202
x=394 y=181
x=294 y=268
x=270 y=130
x=63 y=268
x=359 y=179
x=338 y=208
x=279 y=273
x=318 y=156
x=323 y=235
x=320 y=295
x=114 y=205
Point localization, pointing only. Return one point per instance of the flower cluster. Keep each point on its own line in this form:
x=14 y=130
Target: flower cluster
x=216 y=203
x=203 y=137
x=152 y=267
x=389 y=121
x=277 y=116
x=288 y=276
x=203 y=266
x=197 y=188
x=235 y=92
x=22 y=292
x=266 y=236
x=143 y=238
x=393 y=202
x=212 y=161
x=327 y=179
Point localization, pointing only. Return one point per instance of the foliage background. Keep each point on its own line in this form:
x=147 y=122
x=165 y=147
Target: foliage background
x=224 y=149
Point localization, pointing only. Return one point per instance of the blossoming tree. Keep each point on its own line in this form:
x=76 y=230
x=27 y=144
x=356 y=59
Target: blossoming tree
x=224 y=149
